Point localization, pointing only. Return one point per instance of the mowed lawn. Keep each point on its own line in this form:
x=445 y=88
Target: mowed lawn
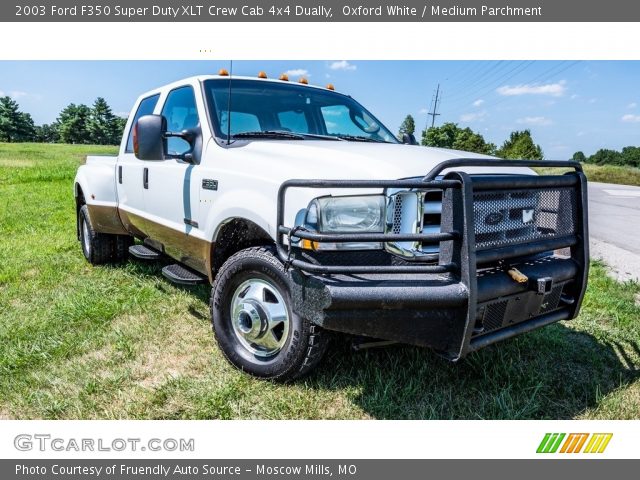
x=78 y=341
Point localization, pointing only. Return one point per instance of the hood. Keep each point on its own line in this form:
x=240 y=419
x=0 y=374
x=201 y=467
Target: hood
x=279 y=160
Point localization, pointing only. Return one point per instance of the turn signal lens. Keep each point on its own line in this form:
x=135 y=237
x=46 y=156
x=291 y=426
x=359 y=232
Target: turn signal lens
x=308 y=244
x=136 y=143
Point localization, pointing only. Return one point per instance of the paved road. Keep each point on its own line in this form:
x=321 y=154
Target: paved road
x=614 y=223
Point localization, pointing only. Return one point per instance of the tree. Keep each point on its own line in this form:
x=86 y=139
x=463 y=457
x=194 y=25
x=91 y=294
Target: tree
x=604 y=156
x=73 y=121
x=449 y=135
x=579 y=157
x=470 y=141
x=520 y=145
x=47 y=133
x=408 y=126
x=102 y=125
x=120 y=123
x=630 y=156
x=15 y=126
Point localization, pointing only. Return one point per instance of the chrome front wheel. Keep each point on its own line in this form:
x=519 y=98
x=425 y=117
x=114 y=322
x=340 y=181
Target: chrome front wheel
x=260 y=317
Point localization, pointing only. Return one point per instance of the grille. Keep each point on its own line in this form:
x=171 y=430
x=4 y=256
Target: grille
x=494 y=315
x=431 y=217
x=397 y=214
x=508 y=217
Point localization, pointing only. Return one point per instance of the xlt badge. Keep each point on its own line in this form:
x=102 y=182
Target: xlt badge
x=209 y=184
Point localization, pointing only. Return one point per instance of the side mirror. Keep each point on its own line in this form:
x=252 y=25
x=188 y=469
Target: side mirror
x=409 y=139
x=149 y=140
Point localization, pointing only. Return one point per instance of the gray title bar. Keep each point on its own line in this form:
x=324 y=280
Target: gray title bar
x=317 y=469
x=319 y=11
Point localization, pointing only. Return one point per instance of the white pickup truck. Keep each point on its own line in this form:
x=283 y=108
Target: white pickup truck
x=307 y=216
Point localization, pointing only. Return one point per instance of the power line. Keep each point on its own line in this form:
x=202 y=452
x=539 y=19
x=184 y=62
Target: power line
x=545 y=76
x=512 y=72
x=435 y=113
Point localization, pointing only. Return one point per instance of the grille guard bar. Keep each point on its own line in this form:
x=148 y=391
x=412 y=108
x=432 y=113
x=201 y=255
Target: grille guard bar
x=428 y=182
x=458 y=256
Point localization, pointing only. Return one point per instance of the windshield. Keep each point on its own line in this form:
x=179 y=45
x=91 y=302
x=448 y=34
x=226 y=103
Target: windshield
x=263 y=109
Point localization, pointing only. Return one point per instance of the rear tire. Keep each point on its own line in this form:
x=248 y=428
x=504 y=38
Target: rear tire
x=100 y=248
x=254 y=323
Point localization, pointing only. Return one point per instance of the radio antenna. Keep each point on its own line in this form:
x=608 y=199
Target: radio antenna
x=229 y=104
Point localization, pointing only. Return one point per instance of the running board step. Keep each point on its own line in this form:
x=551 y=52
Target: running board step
x=144 y=253
x=178 y=274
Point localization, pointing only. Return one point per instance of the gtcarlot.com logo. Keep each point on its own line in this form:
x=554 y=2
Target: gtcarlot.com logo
x=574 y=443
x=46 y=443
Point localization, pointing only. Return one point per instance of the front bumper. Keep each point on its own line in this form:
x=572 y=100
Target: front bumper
x=466 y=300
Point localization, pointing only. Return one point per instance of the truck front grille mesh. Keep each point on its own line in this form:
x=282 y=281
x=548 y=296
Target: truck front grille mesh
x=508 y=217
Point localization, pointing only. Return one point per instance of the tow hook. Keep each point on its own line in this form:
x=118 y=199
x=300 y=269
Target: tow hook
x=517 y=275
x=542 y=285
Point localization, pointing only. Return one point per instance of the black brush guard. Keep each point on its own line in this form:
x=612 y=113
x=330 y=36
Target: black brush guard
x=455 y=305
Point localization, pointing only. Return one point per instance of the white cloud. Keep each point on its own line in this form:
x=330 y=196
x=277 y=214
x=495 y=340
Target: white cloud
x=630 y=118
x=554 y=89
x=574 y=96
x=632 y=105
x=15 y=94
x=297 y=72
x=478 y=102
x=535 y=121
x=473 y=116
x=342 y=65
x=423 y=111
x=593 y=100
x=121 y=114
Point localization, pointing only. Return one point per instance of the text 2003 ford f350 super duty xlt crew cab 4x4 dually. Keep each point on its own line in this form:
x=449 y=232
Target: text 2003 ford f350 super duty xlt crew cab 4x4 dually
x=307 y=215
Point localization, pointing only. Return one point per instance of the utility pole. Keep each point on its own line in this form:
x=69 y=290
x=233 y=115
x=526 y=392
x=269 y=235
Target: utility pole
x=435 y=113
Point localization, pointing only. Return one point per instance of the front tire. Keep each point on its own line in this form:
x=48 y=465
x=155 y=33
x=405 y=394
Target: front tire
x=253 y=321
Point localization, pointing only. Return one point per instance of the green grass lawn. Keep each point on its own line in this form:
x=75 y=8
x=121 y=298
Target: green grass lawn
x=78 y=341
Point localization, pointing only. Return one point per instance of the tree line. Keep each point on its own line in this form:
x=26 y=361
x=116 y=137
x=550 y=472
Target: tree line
x=96 y=125
x=519 y=145
x=629 y=156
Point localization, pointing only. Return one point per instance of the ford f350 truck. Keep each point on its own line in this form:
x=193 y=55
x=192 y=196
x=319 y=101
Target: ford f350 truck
x=307 y=215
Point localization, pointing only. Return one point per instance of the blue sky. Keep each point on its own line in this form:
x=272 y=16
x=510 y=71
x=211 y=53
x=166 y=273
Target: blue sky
x=568 y=105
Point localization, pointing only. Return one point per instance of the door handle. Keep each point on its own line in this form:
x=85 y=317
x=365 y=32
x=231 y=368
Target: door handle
x=120 y=174
x=145 y=178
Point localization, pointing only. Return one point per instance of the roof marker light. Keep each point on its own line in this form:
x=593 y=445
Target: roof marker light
x=262 y=74
x=303 y=80
x=223 y=72
x=330 y=86
x=284 y=77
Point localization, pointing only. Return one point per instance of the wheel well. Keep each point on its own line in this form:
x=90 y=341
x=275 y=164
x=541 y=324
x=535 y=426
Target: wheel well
x=80 y=201
x=235 y=235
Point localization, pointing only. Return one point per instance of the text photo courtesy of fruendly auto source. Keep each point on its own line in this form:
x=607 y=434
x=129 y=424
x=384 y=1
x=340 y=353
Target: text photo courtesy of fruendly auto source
x=334 y=239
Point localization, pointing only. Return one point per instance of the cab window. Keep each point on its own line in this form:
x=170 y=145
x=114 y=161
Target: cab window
x=181 y=113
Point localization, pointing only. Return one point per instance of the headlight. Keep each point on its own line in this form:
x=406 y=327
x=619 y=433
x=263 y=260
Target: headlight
x=348 y=214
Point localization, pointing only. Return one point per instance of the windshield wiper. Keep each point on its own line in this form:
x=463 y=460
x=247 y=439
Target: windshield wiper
x=359 y=138
x=322 y=137
x=269 y=134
